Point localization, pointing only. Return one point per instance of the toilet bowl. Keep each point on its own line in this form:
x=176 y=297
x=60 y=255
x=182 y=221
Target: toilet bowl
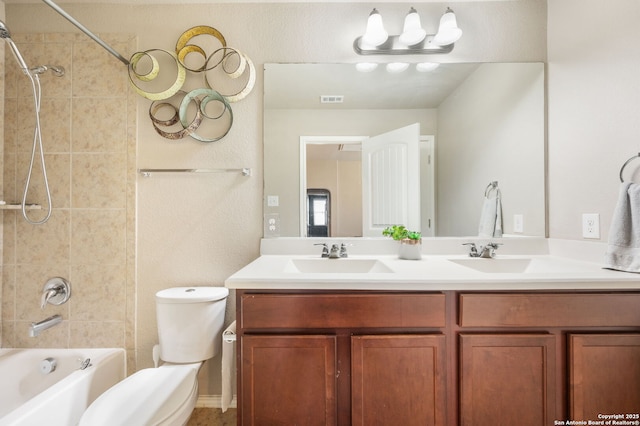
x=190 y=321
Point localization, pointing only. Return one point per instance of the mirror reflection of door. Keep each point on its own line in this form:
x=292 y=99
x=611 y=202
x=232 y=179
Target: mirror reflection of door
x=335 y=163
x=319 y=210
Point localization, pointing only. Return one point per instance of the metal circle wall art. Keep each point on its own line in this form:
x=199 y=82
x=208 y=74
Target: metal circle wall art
x=227 y=76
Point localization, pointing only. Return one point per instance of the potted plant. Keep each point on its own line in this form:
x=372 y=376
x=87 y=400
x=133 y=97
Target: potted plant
x=410 y=241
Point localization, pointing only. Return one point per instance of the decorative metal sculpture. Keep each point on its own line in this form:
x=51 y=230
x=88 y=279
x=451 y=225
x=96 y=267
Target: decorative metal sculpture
x=188 y=110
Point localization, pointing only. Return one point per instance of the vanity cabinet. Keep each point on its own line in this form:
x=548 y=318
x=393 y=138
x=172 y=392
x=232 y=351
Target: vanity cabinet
x=342 y=358
x=507 y=379
x=604 y=375
x=436 y=358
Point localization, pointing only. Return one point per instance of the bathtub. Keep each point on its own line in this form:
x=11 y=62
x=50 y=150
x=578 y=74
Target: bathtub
x=29 y=395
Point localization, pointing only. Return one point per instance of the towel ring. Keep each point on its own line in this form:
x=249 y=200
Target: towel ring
x=492 y=185
x=625 y=165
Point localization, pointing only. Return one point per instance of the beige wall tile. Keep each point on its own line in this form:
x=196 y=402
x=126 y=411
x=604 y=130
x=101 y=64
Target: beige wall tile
x=55 y=121
x=96 y=334
x=99 y=125
x=46 y=244
x=99 y=180
x=8 y=293
x=96 y=73
x=58 y=174
x=98 y=236
x=8 y=238
x=98 y=292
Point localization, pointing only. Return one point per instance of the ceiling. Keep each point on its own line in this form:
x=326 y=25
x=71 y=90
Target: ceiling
x=236 y=1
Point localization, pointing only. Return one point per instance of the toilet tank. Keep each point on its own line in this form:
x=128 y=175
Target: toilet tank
x=190 y=322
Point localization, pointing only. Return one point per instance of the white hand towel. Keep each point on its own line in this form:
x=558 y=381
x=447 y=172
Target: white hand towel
x=228 y=362
x=623 y=250
x=491 y=214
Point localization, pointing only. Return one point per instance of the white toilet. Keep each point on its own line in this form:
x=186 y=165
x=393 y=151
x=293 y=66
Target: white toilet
x=190 y=321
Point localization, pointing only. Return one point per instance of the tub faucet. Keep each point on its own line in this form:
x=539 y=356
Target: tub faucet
x=487 y=251
x=56 y=291
x=40 y=326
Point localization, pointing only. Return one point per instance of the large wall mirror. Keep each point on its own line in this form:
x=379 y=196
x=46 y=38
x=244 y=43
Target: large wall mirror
x=479 y=123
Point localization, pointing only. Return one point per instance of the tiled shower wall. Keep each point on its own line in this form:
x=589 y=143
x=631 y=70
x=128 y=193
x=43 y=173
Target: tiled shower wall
x=88 y=119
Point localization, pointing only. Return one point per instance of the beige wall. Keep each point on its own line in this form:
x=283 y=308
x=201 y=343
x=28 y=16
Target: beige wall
x=594 y=105
x=199 y=230
x=503 y=141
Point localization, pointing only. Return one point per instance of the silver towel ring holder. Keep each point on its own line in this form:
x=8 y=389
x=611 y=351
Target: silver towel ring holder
x=625 y=165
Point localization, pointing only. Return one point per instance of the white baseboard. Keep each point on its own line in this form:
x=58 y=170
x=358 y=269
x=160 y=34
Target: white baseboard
x=214 y=401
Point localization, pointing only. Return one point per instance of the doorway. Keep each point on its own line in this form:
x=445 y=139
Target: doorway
x=319 y=210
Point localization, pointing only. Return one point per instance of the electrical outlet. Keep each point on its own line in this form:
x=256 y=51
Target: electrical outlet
x=271 y=225
x=518 y=223
x=591 y=225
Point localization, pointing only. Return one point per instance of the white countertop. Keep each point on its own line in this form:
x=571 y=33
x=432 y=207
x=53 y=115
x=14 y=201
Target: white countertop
x=548 y=269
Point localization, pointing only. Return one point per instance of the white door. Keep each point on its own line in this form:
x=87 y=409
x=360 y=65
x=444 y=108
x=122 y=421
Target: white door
x=391 y=180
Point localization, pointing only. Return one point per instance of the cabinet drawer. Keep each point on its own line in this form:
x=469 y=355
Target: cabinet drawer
x=406 y=310
x=550 y=310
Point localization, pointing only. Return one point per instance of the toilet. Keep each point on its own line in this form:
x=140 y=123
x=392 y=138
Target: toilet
x=190 y=321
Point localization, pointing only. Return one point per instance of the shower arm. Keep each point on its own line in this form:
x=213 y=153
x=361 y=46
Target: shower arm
x=86 y=31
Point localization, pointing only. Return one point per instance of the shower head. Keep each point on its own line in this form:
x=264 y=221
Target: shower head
x=6 y=34
x=4 y=31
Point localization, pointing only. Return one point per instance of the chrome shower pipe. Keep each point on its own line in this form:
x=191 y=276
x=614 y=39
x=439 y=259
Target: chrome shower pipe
x=86 y=31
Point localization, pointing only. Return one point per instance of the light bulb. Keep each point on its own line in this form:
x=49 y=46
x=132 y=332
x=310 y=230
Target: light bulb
x=448 y=31
x=375 y=34
x=412 y=33
x=427 y=66
x=366 y=66
x=396 y=67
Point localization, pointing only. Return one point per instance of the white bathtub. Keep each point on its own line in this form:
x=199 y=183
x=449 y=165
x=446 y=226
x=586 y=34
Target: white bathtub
x=29 y=396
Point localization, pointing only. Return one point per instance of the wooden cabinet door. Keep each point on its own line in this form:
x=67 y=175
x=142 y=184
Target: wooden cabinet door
x=604 y=375
x=288 y=380
x=398 y=380
x=507 y=379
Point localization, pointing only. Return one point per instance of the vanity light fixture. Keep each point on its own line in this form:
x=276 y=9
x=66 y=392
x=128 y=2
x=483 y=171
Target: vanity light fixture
x=413 y=41
x=375 y=34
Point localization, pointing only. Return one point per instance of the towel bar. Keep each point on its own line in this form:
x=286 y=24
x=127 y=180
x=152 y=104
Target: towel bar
x=625 y=165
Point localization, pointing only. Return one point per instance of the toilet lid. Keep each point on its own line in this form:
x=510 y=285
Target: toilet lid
x=191 y=294
x=147 y=397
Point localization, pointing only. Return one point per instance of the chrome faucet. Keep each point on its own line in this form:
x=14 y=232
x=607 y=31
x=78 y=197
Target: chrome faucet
x=487 y=251
x=338 y=251
x=40 y=326
x=325 y=249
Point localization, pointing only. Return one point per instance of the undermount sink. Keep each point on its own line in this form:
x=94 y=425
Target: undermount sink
x=493 y=266
x=336 y=266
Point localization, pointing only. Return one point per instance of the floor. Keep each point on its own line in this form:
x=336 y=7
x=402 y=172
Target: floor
x=212 y=417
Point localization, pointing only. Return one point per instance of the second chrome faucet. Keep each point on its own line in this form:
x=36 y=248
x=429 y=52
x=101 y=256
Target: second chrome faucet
x=337 y=251
x=487 y=251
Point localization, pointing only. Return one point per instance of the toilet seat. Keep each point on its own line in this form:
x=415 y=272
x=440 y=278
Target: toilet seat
x=152 y=396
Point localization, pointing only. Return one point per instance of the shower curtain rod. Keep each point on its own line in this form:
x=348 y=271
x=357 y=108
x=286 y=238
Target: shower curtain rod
x=86 y=31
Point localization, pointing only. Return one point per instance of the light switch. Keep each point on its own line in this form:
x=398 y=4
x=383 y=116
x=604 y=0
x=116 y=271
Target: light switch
x=273 y=201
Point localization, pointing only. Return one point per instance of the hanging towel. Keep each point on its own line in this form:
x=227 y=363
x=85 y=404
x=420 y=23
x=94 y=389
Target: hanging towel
x=228 y=362
x=491 y=214
x=623 y=250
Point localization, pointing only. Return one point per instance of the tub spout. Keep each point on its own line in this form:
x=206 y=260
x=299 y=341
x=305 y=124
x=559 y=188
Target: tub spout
x=40 y=326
